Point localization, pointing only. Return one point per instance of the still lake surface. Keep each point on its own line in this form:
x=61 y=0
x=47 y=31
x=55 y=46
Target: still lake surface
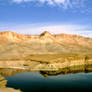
x=35 y=81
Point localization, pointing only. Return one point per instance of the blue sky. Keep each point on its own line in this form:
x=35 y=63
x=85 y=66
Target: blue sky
x=55 y=16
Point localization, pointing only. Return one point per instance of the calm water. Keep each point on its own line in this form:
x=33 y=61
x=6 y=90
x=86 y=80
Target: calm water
x=75 y=79
x=30 y=82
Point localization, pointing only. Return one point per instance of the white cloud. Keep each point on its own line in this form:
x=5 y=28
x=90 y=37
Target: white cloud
x=38 y=28
x=42 y=1
x=63 y=3
x=17 y=1
x=35 y=29
x=67 y=29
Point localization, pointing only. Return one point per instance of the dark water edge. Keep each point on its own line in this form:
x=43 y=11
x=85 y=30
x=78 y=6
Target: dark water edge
x=31 y=82
x=70 y=79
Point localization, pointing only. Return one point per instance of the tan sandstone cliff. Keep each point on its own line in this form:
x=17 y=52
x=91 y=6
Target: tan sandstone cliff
x=17 y=46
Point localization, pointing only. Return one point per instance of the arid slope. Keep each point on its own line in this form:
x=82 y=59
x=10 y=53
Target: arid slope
x=18 y=46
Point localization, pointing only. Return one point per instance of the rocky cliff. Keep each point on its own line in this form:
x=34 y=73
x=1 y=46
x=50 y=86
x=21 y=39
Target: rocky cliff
x=17 y=46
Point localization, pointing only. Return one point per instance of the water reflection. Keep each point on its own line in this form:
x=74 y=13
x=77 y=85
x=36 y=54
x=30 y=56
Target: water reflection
x=3 y=81
x=11 y=72
x=70 y=78
x=68 y=70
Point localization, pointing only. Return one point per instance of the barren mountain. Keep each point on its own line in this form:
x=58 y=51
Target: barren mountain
x=17 y=46
x=12 y=36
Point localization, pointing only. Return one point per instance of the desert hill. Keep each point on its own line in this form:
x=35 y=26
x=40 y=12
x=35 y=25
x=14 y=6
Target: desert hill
x=17 y=46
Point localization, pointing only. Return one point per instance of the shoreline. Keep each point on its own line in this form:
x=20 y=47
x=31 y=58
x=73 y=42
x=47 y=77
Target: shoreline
x=37 y=66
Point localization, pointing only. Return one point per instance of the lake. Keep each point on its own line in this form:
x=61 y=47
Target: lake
x=76 y=80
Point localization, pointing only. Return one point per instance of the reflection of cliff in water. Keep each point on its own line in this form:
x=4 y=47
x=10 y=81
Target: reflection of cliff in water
x=11 y=72
x=73 y=70
x=3 y=81
x=8 y=72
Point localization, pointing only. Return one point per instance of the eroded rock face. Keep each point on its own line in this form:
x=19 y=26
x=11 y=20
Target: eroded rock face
x=12 y=36
x=46 y=36
x=35 y=65
x=18 y=46
x=3 y=88
x=3 y=82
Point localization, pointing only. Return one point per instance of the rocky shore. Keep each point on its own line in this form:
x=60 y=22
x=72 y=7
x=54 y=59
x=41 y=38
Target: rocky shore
x=3 y=87
x=48 y=64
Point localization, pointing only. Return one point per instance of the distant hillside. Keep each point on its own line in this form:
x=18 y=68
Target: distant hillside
x=17 y=46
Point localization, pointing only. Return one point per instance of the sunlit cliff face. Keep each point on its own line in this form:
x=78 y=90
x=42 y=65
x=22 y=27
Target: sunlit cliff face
x=11 y=36
x=14 y=45
x=45 y=37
